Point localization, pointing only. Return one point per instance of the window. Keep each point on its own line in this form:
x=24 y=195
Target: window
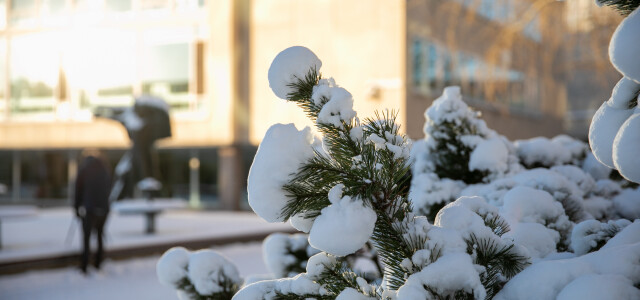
x=435 y=67
x=24 y=13
x=34 y=75
x=101 y=67
x=165 y=66
x=117 y=5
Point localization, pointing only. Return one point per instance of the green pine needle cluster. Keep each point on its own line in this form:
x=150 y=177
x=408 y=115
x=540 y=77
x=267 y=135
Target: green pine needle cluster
x=377 y=176
x=501 y=263
x=340 y=277
x=228 y=289
x=451 y=156
x=624 y=7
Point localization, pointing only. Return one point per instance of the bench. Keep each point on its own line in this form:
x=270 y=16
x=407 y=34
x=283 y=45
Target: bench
x=149 y=208
x=15 y=212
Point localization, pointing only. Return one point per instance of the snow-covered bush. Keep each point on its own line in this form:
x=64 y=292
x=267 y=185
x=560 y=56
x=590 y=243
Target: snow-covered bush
x=200 y=275
x=358 y=193
x=356 y=190
x=546 y=153
x=458 y=149
x=459 y=145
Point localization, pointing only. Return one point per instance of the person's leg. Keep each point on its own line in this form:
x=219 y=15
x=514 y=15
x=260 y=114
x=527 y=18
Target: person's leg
x=99 y=227
x=86 y=239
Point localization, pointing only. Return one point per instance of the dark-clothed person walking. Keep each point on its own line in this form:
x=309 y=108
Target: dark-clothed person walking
x=93 y=185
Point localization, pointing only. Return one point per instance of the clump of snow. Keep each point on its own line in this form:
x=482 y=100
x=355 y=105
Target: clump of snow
x=587 y=235
x=493 y=192
x=599 y=287
x=460 y=215
x=209 y=271
x=547 y=279
x=261 y=290
x=583 y=180
x=318 y=263
x=267 y=290
x=544 y=152
x=302 y=223
x=336 y=102
x=446 y=276
x=603 y=129
x=625 y=147
x=352 y=294
x=576 y=148
x=490 y=155
x=629 y=235
x=537 y=220
x=526 y=204
x=627 y=203
x=172 y=266
x=607 y=188
x=344 y=226
x=280 y=252
x=282 y=151
x=428 y=190
x=450 y=108
x=538 y=240
x=624 y=47
x=599 y=207
x=595 y=168
x=289 y=66
x=624 y=91
x=299 y=285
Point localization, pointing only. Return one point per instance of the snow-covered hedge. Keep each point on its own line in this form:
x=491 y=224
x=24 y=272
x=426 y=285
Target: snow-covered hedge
x=463 y=214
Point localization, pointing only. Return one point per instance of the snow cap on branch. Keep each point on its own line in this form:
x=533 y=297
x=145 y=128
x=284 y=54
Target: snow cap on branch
x=337 y=109
x=290 y=65
x=352 y=294
x=208 y=270
x=625 y=46
x=172 y=266
x=318 y=263
x=281 y=153
x=603 y=130
x=449 y=274
x=344 y=226
x=626 y=146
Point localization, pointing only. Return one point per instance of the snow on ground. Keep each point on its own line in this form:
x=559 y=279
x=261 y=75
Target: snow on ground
x=46 y=233
x=127 y=279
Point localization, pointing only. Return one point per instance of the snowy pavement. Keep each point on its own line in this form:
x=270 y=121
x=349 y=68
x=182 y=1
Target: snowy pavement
x=127 y=279
x=52 y=232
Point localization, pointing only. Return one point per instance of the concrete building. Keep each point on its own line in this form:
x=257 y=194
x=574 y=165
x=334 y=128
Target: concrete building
x=60 y=59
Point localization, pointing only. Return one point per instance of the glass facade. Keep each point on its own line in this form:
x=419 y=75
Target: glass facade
x=435 y=67
x=44 y=175
x=505 y=11
x=61 y=59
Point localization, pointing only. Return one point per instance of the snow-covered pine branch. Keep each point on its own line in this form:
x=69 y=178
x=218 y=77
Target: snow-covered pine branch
x=200 y=275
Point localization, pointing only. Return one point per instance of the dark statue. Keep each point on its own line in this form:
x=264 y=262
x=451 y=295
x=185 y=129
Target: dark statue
x=146 y=122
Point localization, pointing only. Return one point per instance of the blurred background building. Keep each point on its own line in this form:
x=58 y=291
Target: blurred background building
x=533 y=67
